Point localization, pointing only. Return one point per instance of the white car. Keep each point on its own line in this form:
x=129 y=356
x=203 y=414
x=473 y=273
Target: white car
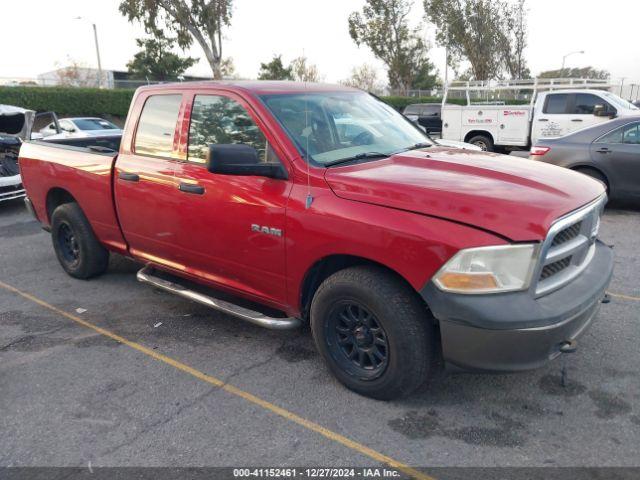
x=15 y=124
x=80 y=127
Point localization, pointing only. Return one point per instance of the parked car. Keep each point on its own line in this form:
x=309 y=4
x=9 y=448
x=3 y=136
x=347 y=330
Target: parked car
x=491 y=124
x=609 y=152
x=15 y=125
x=395 y=250
x=427 y=115
x=80 y=127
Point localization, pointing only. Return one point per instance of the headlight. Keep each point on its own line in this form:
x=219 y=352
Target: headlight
x=489 y=269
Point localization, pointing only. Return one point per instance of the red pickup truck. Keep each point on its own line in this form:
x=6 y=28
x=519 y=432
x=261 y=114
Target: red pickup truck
x=284 y=204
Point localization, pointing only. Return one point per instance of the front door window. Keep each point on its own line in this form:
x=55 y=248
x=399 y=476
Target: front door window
x=221 y=120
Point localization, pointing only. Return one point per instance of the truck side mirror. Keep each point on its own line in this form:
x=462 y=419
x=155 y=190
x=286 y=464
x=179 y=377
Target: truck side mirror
x=600 y=110
x=240 y=159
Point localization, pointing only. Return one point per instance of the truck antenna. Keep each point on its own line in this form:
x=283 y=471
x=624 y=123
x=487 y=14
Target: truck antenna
x=309 y=199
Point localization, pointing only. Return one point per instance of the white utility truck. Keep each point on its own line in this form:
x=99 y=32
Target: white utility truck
x=514 y=114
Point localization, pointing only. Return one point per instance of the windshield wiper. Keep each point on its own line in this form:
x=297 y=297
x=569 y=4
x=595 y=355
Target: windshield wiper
x=418 y=146
x=360 y=156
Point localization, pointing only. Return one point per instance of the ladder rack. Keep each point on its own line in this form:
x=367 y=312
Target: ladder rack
x=532 y=85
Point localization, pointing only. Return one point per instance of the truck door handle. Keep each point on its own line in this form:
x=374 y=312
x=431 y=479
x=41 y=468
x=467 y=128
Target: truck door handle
x=191 y=188
x=543 y=119
x=129 y=177
x=603 y=150
x=576 y=119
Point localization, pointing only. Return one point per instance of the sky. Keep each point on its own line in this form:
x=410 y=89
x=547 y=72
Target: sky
x=50 y=36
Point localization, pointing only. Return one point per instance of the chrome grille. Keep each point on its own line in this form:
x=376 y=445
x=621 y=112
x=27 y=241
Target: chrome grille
x=567 y=234
x=555 y=267
x=569 y=247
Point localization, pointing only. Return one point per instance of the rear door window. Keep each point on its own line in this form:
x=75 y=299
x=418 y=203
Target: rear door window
x=614 y=136
x=631 y=134
x=157 y=125
x=556 y=103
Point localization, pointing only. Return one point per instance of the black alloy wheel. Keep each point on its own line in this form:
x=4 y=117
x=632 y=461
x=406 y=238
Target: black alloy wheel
x=68 y=244
x=357 y=341
x=374 y=333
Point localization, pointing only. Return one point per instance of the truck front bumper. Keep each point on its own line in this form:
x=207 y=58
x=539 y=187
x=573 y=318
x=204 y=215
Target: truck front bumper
x=516 y=331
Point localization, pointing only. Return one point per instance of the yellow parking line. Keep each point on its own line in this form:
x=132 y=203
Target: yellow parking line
x=308 y=424
x=624 y=297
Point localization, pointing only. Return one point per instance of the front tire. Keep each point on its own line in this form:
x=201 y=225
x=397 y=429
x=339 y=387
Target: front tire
x=482 y=141
x=375 y=335
x=77 y=248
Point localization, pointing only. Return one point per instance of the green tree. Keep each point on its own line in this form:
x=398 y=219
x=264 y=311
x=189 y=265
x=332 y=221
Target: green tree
x=583 y=72
x=470 y=30
x=275 y=70
x=426 y=77
x=188 y=20
x=156 y=61
x=383 y=26
x=513 y=39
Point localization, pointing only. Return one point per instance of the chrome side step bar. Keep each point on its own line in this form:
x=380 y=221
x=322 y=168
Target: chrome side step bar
x=145 y=275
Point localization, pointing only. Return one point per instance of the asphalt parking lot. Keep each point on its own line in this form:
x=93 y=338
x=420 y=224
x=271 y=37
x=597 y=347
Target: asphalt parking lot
x=237 y=395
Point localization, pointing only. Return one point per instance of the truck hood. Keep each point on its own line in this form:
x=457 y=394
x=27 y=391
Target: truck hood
x=513 y=197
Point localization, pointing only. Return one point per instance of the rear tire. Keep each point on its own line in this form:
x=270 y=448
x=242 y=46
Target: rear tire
x=77 y=248
x=374 y=333
x=482 y=141
x=593 y=173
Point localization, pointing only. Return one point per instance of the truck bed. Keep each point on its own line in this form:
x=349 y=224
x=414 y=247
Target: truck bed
x=95 y=144
x=77 y=168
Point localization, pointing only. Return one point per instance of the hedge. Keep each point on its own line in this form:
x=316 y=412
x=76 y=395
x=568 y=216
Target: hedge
x=400 y=102
x=69 y=101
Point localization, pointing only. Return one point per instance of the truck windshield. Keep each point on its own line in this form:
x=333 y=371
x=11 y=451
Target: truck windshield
x=328 y=127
